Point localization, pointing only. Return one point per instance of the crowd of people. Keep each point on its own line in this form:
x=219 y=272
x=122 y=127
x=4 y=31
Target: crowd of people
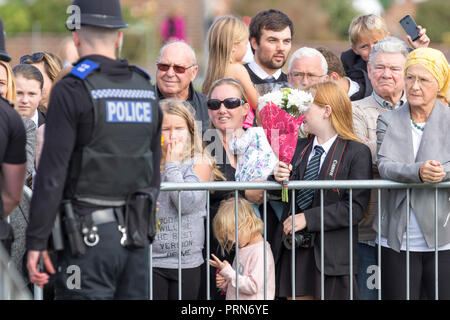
x=380 y=111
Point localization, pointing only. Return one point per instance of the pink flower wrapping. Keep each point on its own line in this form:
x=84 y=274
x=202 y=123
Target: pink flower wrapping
x=281 y=130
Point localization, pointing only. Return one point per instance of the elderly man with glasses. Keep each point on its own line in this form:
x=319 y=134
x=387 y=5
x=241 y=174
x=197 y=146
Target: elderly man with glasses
x=176 y=70
x=306 y=67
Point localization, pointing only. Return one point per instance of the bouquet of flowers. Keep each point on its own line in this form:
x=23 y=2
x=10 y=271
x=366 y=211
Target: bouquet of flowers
x=281 y=112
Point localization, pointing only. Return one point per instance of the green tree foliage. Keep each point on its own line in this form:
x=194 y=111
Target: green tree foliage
x=16 y=17
x=19 y=16
x=386 y=3
x=50 y=14
x=340 y=14
x=434 y=15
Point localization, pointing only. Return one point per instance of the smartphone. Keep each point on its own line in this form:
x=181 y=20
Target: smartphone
x=410 y=27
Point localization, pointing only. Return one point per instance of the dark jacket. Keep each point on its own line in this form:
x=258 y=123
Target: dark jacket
x=198 y=102
x=41 y=118
x=356 y=69
x=356 y=164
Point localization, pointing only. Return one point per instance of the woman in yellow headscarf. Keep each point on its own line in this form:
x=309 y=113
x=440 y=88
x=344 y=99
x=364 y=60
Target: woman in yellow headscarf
x=434 y=64
x=413 y=147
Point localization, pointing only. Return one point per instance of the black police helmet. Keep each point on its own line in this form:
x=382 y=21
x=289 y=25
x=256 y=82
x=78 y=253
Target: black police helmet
x=4 y=56
x=101 y=13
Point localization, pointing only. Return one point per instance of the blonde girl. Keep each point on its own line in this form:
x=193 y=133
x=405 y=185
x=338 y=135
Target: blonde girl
x=227 y=45
x=183 y=160
x=251 y=252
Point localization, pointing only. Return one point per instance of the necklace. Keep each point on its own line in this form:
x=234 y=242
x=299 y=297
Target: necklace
x=416 y=125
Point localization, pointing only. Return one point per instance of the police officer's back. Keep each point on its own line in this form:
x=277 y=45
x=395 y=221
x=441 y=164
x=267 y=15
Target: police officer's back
x=12 y=166
x=102 y=143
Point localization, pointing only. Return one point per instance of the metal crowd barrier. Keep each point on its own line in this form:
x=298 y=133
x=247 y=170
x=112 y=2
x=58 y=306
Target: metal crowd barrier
x=293 y=186
x=12 y=286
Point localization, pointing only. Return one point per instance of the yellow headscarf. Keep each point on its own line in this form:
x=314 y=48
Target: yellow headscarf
x=436 y=63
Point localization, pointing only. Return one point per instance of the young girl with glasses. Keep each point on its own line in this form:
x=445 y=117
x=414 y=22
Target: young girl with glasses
x=227 y=45
x=251 y=253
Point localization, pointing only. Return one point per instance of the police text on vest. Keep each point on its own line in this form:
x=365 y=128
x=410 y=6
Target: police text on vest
x=129 y=111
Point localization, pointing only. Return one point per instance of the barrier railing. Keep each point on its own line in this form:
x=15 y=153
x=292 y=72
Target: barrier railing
x=12 y=286
x=293 y=186
x=296 y=185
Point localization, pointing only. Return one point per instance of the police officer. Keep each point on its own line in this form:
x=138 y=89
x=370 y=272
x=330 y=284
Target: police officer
x=102 y=142
x=13 y=165
x=12 y=156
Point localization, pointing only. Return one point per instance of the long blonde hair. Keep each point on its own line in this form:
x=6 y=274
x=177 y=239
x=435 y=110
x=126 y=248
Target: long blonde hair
x=330 y=93
x=10 y=83
x=222 y=35
x=224 y=222
x=194 y=147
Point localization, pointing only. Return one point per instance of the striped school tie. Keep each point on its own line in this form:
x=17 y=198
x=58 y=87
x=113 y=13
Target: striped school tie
x=305 y=196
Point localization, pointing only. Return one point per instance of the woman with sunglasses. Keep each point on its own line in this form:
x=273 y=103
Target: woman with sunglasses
x=49 y=65
x=227 y=109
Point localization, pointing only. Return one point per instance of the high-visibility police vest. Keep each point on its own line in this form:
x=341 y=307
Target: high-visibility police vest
x=118 y=159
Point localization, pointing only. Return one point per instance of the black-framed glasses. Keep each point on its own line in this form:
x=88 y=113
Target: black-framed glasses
x=33 y=58
x=229 y=103
x=178 y=69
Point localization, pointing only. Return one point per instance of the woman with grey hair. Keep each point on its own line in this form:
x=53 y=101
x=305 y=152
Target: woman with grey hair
x=413 y=147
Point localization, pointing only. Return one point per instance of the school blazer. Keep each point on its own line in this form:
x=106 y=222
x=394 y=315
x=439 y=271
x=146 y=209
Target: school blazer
x=395 y=159
x=356 y=164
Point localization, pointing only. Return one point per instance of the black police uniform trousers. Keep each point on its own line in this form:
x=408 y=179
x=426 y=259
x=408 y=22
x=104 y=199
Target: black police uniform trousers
x=107 y=270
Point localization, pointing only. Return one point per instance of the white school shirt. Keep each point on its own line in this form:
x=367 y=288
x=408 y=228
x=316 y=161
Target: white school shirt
x=326 y=146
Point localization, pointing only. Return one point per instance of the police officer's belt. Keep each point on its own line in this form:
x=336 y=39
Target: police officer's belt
x=104 y=216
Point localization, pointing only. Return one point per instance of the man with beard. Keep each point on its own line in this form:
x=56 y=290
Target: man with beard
x=271 y=33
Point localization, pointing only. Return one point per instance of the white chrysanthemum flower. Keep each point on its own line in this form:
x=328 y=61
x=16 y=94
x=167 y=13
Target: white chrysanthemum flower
x=274 y=96
x=300 y=99
x=295 y=98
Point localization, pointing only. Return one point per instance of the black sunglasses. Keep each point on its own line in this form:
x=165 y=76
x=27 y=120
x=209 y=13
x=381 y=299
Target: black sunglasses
x=35 y=57
x=229 y=103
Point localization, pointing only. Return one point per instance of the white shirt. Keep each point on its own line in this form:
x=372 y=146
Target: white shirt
x=261 y=73
x=354 y=87
x=416 y=239
x=326 y=146
x=249 y=54
x=35 y=118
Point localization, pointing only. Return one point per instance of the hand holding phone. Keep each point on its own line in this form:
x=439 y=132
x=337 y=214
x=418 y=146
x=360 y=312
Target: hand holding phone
x=410 y=27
